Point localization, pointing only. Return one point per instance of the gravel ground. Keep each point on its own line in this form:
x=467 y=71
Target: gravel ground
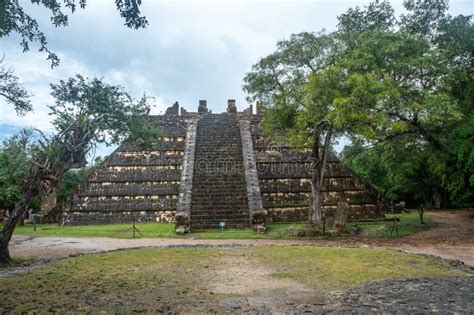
x=404 y=296
x=445 y=295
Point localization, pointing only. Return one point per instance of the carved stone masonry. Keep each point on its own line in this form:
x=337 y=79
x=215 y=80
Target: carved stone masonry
x=183 y=211
x=258 y=215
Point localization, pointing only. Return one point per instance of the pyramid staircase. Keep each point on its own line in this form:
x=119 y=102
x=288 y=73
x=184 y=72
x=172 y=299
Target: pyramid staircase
x=219 y=191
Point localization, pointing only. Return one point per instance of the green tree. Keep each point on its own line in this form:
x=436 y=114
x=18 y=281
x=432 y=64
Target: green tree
x=424 y=17
x=399 y=169
x=14 y=19
x=404 y=68
x=86 y=112
x=375 y=166
x=15 y=160
x=376 y=79
x=298 y=86
x=456 y=38
x=305 y=86
x=395 y=78
x=13 y=91
x=420 y=79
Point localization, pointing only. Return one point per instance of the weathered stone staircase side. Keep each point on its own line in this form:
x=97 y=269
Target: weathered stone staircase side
x=256 y=211
x=219 y=192
x=186 y=183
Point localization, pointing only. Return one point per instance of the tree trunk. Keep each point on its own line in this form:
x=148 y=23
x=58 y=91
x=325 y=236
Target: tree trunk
x=16 y=215
x=314 y=209
x=4 y=252
x=315 y=216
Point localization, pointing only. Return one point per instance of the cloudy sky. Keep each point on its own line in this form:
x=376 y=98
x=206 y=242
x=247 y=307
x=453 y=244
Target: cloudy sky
x=191 y=50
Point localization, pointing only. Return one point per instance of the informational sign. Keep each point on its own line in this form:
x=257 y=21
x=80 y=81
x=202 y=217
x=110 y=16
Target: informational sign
x=222 y=226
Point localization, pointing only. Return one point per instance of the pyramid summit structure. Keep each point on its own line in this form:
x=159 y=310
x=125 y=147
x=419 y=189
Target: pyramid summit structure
x=213 y=168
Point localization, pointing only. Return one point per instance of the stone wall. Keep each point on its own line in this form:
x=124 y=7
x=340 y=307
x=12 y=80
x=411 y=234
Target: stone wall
x=284 y=178
x=106 y=217
x=135 y=183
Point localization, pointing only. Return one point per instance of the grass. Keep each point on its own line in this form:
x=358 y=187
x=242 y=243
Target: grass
x=105 y=230
x=177 y=279
x=326 y=268
x=409 y=225
x=275 y=231
x=134 y=280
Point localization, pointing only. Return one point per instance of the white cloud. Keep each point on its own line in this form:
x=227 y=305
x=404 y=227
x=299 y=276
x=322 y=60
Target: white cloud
x=191 y=50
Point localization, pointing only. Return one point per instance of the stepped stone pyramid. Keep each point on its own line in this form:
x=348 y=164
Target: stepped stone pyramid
x=212 y=168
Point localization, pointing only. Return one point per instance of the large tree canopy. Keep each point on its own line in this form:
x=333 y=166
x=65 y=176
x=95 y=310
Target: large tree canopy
x=421 y=75
x=14 y=18
x=376 y=79
x=396 y=82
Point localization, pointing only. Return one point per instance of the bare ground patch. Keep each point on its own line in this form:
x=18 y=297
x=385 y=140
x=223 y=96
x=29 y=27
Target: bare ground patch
x=244 y=279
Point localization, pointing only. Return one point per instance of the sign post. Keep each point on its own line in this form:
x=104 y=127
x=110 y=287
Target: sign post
x=222 y=225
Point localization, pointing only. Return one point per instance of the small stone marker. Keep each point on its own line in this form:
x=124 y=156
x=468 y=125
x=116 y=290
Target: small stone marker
x=341 y=216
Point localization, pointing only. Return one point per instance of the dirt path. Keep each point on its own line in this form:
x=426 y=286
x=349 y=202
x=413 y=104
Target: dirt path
x=451 y=238
x=452 y=228
x=57 y=247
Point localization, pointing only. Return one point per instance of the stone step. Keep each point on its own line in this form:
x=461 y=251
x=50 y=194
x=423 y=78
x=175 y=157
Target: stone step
x=216 y=208
x=219 y=191
x=216 y=189
x=205 y=182
x=222 y=198
x=219 y=178
x=204 y=217
x=221 y=186
x=212 y=209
